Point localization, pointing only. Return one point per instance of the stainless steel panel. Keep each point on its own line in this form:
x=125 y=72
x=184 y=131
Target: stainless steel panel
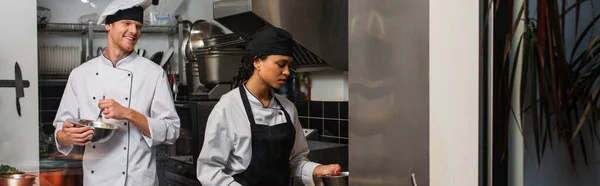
x=389 y=92
x=319 y=27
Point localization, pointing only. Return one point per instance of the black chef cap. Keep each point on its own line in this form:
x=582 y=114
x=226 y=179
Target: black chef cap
x=270 y=40
x=135 y=13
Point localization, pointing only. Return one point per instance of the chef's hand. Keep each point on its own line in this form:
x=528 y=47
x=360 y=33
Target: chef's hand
x=112 y=109
x=332 y=169
x=71 y=135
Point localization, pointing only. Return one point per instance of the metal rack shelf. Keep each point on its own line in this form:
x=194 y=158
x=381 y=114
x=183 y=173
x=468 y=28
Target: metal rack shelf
x=83 y=28
x=87 y=34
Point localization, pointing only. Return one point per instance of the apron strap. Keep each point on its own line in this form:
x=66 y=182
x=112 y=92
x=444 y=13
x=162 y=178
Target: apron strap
x=247 y=107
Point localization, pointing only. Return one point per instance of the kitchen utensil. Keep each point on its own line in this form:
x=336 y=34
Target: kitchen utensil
x=175 y=87
x=166 y=57
x=100 y=114
x=142 y=52
x=19 y=87
x=17 y=180
x=102 y=131
x=187 y=26
x=99 y=51
x=336 y=180
x=157 y=57
x=413 y=180
x=43 y=16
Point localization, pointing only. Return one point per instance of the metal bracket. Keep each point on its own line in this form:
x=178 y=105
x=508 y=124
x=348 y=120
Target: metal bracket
x=11 y=83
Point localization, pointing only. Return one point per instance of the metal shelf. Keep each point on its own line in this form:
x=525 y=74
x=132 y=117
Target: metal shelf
x=83 y=28
x=52 y=82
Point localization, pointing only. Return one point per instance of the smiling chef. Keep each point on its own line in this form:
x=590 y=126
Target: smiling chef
x=132 y=93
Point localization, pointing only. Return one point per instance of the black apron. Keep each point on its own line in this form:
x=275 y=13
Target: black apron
x=271 y=149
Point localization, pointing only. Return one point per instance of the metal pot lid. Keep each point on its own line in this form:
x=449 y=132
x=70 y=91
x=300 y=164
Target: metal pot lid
x=223 y=51
x=202 y=29
x=227 y=40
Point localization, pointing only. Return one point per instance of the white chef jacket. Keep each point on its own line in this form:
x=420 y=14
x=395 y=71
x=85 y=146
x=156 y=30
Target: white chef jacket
x=227 y=148
x=136 y=82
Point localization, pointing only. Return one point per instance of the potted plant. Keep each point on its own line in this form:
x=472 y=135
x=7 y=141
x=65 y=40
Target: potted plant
x=559 y=86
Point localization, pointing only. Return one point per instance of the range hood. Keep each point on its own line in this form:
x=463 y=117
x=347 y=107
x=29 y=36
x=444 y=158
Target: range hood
x=319 y=27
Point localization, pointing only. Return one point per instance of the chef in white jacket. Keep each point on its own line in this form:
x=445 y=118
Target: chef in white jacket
x=137 y=100
x=253 y=136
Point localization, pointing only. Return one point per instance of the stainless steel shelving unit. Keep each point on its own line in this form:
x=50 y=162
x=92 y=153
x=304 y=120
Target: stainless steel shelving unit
x=83 y=28
x=87 y=34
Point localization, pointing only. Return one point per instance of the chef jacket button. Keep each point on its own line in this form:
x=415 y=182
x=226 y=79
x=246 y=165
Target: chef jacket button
x=128 y=74
x=94 y=98
x=123 y=172
x=93 y=146
x=125 y=98
x=92 y=171
x=280 y=113
x=124 y=123
x=96 y=73
x=124 y=148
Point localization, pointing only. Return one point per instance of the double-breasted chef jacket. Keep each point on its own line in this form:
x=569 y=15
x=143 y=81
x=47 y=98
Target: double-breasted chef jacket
x=227 y=150
x=135 y=82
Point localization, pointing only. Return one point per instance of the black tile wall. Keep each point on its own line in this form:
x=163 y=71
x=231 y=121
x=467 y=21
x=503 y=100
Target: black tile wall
x=344 y=140
x=316 y=124
x=302 y=107
x=332 y=127
x=315 y=109
x=343 y=110
x=304 y=122
x=344 y=128
x=331 y=110
x=330 y=118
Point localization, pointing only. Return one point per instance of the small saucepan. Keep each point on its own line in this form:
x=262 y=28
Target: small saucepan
x=336 y=180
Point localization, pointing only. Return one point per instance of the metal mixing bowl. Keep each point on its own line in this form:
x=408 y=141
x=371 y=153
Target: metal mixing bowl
x=17 y=180
x=336 y=180
x=102 y=131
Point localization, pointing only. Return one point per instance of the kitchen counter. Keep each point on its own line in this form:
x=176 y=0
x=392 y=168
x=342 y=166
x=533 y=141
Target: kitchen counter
x=319 y=145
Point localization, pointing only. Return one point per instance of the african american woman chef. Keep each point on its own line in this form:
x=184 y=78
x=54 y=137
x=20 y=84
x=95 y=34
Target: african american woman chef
x=253 y=135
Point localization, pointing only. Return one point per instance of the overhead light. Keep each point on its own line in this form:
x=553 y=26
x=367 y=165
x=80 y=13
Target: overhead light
x=84 y=1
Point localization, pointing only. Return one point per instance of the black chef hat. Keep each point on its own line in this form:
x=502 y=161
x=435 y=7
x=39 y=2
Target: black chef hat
x=270 y=40
x=135 y=13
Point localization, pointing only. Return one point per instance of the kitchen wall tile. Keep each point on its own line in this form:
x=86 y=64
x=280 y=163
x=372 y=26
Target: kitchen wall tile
x=316 y=124
x=330 y=118
x=302 y=107
x=343 y=141
x=303 y=121
x=332 y=127
x=344 y=110
x=315 y=109
x=331 y=109
x=343 y=128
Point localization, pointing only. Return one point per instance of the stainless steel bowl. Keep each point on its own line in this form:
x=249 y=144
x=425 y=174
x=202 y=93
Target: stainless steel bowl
x=17 y=180
x=102 y=131
x=336 y=180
